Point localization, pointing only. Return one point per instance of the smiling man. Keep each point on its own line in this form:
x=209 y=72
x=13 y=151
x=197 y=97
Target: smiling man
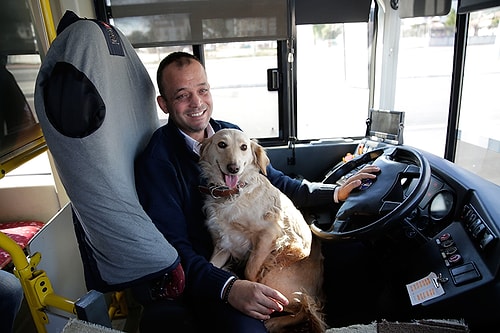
x=185 y=94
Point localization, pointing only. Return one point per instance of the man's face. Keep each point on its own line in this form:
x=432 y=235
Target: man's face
x=187 y=98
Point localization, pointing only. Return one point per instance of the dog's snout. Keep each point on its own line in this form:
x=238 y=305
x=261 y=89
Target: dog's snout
x=233 y=168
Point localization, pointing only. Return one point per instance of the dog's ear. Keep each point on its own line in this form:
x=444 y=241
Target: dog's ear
x=260 y=156
x=204 y=146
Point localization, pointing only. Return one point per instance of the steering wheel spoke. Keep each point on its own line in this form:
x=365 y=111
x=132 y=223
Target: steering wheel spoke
x=412 y=171
x=388 y=206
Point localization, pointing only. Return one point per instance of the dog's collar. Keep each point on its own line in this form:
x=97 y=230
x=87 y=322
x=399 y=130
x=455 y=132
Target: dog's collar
x=220 y=191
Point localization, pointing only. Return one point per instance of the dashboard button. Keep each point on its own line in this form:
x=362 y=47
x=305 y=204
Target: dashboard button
x=451 y=250
x=444 y=237
x=455 y=259
x=465 y=274
x=447 y=243
x=487 y=240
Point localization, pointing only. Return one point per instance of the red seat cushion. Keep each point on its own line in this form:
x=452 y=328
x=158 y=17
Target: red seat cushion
x=21 y=232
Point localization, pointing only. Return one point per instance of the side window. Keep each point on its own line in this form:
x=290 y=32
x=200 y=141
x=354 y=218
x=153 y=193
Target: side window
x=478 y=147
x=19 y=133
x=21 y=138
x=423 y=81
x=237 y=73
x=332 y=84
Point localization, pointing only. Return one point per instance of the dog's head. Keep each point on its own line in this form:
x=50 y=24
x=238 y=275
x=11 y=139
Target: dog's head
x=229 y=155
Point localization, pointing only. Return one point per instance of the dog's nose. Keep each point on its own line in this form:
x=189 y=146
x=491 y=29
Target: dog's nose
x=233 y=168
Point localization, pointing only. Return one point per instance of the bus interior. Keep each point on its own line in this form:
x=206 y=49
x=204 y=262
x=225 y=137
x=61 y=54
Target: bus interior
x=326 y=87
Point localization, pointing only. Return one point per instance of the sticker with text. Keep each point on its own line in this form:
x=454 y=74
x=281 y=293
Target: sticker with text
x=425 y=289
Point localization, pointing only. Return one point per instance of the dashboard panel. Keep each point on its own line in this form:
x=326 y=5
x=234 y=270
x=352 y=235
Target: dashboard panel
x=459 y=222
x=454 y=233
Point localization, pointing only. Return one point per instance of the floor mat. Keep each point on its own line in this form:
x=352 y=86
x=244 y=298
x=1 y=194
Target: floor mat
x=418 y=326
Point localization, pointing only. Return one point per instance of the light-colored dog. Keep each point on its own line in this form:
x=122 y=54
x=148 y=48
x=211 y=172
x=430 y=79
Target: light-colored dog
x=254 y=223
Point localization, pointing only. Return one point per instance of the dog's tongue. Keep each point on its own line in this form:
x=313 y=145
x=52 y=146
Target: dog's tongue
x=231 y=180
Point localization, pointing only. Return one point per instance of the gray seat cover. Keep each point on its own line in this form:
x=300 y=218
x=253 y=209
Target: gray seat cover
x=102 y=112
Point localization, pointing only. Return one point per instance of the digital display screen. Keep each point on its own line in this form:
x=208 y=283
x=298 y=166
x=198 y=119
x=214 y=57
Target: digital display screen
x=386 y=124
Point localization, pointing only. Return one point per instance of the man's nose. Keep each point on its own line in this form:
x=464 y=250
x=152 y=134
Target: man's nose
x=196 y=100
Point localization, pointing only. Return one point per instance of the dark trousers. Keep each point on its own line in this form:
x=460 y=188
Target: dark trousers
x=224 y=318
x=185 y=316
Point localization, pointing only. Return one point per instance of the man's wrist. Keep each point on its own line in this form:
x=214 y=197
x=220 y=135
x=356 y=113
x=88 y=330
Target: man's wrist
x=227 y=288
x=336 y=194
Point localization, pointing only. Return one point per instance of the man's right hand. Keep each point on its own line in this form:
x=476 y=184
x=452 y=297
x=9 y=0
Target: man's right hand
x=368 y=172
x=255 y=299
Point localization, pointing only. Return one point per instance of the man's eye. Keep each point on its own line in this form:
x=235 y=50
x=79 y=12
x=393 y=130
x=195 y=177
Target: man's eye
x=243 y=147
x=203 y=91
x=222 y=144
x=181 y=97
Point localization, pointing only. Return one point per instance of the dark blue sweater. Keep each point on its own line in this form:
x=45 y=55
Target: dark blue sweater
x=167 y=179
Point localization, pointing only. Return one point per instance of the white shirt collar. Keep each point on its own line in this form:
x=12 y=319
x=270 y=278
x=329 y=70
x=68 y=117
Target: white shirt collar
x=195 y=145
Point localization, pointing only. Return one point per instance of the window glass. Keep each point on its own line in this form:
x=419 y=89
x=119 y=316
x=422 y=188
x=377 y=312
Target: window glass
x=24 y=69
x=423 y=83
x=332 y=80
x=16 y=30
x=478 y=146
x=173 y=22
x=237 y=73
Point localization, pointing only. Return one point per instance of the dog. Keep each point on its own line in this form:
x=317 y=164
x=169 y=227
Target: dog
x=253 y=223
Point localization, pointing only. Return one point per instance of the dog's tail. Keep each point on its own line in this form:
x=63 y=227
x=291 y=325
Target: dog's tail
x=304 y=314
x=314 y=313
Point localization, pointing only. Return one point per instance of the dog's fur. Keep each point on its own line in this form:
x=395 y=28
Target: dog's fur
x=261 y=228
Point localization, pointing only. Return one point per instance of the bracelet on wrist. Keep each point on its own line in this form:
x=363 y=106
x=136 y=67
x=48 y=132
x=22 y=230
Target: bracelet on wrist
x=225 y=298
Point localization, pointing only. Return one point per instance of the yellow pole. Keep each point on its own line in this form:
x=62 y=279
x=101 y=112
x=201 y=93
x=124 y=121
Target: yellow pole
x=15 y=251
x=48 y=20
x=36 y=285
x=24 y=274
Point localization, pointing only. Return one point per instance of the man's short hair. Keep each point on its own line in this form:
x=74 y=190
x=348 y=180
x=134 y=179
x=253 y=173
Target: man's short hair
x=180 y=59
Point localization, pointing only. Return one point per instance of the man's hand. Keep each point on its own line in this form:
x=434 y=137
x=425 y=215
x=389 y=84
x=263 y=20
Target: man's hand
x=355 y=181
x=255 y=299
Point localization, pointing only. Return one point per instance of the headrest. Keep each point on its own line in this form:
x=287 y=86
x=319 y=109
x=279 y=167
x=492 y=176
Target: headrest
x=96 y=105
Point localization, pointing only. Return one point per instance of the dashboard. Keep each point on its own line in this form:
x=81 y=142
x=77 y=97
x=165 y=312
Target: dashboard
x=459 y=217
x=458 y=224
x=452 y=235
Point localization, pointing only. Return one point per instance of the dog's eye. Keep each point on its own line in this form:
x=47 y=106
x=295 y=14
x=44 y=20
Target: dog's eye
x=243 y=147
x=222 y=144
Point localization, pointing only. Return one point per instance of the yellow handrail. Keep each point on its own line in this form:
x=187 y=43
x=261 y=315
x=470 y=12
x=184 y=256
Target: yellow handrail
x=48 y=20
x=36 y=285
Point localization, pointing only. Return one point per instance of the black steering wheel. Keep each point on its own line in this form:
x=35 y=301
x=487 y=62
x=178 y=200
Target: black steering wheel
x=376 y=205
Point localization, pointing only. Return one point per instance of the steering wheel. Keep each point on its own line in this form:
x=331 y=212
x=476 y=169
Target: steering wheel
x=377 y=204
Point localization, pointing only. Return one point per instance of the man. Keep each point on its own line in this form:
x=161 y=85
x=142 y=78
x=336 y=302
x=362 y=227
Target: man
x=167 y=178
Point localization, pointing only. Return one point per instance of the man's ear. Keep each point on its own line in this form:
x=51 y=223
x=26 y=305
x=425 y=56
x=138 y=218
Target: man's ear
x=162 y=103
